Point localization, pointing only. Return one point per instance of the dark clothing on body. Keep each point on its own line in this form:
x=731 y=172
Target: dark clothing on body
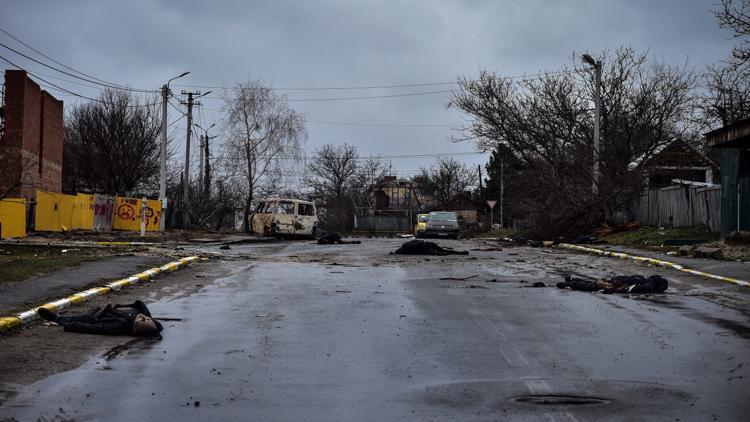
x=332 y=238
x=116 y=320
x=421 y=247
x=618 y=284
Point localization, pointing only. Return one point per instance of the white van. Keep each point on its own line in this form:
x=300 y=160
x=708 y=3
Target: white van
x=284 y=217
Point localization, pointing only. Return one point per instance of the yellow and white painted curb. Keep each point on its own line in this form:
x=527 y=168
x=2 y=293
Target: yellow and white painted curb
x=7 y=323
x=654 y=261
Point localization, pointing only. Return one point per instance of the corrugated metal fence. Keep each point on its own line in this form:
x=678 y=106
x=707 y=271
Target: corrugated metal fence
x=680 y=206
x=382 y=224
x=12 y=217
x=57 y=212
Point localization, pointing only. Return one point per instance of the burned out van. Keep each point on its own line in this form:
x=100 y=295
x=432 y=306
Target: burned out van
x=284 y=218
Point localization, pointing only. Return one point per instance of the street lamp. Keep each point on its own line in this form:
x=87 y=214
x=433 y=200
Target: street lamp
x=597 y=66
x=163 y=153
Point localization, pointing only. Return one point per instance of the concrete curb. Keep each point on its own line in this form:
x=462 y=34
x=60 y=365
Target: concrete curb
x=7 y=323
x=654 y=261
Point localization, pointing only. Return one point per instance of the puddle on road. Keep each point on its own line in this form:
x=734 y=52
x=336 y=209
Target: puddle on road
x=136 y=346
x=733 y=327
x=559 y=400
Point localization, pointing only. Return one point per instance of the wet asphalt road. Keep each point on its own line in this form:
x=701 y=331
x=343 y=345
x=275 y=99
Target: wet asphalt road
x=290 y=337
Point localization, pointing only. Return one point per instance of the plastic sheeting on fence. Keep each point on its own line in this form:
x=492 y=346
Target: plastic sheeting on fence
x=104 y=212
x=128 y=214
x=680 y=206
x=12 y=217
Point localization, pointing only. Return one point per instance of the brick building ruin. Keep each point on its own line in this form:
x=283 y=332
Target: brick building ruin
x=31 y=138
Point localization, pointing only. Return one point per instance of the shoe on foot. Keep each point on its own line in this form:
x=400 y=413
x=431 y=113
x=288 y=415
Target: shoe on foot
x=47 y=314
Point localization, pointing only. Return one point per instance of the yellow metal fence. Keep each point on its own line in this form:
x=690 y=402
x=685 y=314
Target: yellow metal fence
x=12 y=217
x=57 y=212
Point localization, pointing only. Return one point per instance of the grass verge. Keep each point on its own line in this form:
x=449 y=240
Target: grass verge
x=658 y=238
x=19 y=262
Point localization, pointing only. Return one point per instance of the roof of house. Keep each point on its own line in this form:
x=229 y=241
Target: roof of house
x=676 y=152
x=736 y=135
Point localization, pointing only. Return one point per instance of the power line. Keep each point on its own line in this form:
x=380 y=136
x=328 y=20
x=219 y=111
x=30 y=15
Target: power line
x=387 y=157
x=51 y=59
x=363 y=97
x=378 y=124
x=107 y=85
x=50 y=83
x=384 y=86
x=75 y=94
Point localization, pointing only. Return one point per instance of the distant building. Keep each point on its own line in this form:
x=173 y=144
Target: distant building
x=31 y=138
x=734 y=143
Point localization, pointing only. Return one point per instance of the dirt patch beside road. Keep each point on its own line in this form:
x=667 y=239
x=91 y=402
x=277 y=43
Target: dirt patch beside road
x=37 y=351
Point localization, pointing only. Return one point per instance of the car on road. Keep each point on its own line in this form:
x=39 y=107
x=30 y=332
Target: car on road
x=282 y=217
x=421 y=227
x=443 y=224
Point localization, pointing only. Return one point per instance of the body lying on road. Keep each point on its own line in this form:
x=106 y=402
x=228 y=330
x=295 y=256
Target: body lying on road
x=332 y=238
x=132 y=319
x=421 y=247
x=617 y=284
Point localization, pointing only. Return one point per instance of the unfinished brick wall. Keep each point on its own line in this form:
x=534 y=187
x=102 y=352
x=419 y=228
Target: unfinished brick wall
x=31 y=148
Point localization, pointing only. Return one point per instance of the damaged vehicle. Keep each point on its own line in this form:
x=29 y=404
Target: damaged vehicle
x=284 y=218
x=442 y=224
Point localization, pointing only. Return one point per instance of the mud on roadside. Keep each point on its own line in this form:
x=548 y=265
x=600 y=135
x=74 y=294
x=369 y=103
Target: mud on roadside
x=38 y=350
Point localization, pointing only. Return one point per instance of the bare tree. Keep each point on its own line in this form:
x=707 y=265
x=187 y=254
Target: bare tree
x=111 y=145
x=446 y=179
x=735 y=15
x=727 y=86
x=261 y=129
x=370 y=171
x=727 y=98
x=330 y=173
x=547 y=124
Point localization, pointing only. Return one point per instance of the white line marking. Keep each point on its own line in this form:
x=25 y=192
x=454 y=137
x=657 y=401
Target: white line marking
x=538 y=386
x=523 y=359
x=572 y=418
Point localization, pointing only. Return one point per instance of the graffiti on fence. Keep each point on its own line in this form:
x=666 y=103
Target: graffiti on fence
x=128 y=214
x=103 y=212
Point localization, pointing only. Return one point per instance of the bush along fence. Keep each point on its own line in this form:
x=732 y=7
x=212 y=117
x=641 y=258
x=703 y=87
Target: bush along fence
x=57 y=212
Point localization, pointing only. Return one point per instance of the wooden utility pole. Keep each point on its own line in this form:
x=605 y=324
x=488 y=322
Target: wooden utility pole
x=479 y=168
x=186 y=181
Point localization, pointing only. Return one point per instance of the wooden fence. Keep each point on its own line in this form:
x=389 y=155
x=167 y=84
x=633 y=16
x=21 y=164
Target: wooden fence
x=680 y=206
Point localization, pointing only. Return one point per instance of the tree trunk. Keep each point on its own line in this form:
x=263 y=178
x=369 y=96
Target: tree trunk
x=246 y=214
x=249 y=202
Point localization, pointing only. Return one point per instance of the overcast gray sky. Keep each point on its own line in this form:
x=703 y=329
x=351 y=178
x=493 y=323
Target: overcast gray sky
x=347 y=43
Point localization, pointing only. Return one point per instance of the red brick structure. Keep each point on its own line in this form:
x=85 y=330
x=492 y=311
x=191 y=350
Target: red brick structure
x=32 y=139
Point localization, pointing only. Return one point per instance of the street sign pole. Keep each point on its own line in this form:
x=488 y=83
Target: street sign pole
x=491 y=203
